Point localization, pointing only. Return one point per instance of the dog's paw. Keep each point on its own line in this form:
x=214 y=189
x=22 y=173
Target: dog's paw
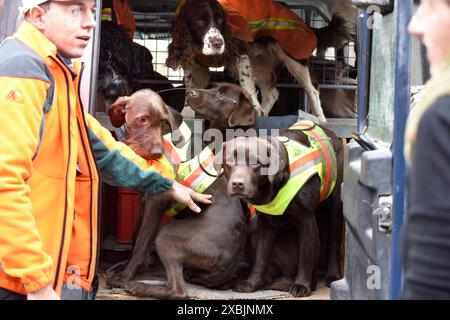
x=245 y=286
x=299 y=290
x=330 y=278
x=117 y=280
x=136 y=288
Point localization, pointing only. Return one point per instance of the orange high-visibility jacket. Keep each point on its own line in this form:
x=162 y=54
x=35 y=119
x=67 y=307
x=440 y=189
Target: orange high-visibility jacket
x=51 y=154
x=252 y=19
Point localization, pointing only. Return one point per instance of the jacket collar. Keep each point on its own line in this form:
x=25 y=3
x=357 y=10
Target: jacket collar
x=32 y=37
x=28 y=34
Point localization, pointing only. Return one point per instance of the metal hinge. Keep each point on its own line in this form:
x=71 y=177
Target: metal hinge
x=384 y=214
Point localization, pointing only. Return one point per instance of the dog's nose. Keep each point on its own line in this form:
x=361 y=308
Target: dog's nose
x=238 y=185
x=192 y=93
x=217 y=43
x=156 y=152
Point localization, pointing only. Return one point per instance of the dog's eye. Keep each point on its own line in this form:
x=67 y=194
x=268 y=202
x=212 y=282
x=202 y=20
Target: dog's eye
x=143 y=120
x=219 y=21
x=200 y=23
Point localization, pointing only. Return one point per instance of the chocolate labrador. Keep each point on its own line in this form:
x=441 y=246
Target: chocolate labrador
x=246 y=162
x=209 y=246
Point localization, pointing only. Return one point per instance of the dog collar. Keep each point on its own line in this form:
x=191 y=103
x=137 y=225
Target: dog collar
x=122 y=132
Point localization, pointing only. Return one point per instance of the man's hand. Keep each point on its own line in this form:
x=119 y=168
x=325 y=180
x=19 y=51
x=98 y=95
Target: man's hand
x=45 y=293
x=187 y=196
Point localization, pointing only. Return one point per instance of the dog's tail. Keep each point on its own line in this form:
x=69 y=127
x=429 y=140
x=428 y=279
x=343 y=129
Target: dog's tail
x=332 y=36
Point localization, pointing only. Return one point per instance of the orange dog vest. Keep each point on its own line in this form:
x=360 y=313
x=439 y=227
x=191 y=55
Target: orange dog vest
x=252 y=19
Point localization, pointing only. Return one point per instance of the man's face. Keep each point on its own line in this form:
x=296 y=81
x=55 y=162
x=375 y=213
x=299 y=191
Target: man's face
x=431 y=24
x=69 y=25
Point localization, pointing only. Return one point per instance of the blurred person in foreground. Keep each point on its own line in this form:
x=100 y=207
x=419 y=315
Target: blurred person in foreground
x=426 y=234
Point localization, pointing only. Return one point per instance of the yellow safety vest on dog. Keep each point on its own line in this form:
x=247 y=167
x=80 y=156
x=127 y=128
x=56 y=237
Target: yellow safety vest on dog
x=197 y=173
x=305 y=162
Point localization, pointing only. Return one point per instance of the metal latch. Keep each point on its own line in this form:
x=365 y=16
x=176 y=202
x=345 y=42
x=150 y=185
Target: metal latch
x=384 y=214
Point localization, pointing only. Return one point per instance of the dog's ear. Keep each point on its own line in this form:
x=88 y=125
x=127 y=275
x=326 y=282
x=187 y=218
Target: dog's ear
x=173 y=126
x=179 y=49
x=279 y=154
x=231 y=49
x=117 y=111
x=281 y=176
x=219 y=159
x=244 y=113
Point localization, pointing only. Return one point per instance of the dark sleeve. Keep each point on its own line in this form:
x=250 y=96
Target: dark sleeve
x=426 y=254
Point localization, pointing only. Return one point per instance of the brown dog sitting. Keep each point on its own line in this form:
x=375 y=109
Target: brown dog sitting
x=210 y=245
x=286 y=179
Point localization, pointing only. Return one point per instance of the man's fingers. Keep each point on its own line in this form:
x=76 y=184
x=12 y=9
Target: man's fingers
x=203 y=198
x=191 y=204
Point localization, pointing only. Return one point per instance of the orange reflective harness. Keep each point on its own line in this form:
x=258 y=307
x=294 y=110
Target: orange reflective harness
x=197 y=173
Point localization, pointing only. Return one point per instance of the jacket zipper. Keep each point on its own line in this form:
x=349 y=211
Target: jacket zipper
x=58 y=266
x=97 y=253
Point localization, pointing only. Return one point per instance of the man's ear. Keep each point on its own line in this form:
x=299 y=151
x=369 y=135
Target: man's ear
x=117 y=111
x=244 y=113
x=36 y=17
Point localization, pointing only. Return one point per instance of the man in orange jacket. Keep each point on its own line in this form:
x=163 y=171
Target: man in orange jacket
x=52 y=154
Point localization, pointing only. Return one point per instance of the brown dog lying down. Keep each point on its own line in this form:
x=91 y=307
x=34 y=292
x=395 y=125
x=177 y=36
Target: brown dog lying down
x=258 y=168
x=210 y=245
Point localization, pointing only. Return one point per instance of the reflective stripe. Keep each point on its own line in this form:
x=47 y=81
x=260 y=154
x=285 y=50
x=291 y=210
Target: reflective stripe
x=106 y=14
x=177 y=154
x=304 y=163
x=275 y=24
x=317 y=135
x=198 y=174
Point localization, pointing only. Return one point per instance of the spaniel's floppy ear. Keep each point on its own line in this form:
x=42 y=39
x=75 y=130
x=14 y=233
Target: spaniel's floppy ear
x=117 y=111
x=231 y=50
x=244 y=113
x=179 y=49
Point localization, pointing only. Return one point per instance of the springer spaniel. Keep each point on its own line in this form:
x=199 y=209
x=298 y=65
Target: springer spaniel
x=244 y=37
